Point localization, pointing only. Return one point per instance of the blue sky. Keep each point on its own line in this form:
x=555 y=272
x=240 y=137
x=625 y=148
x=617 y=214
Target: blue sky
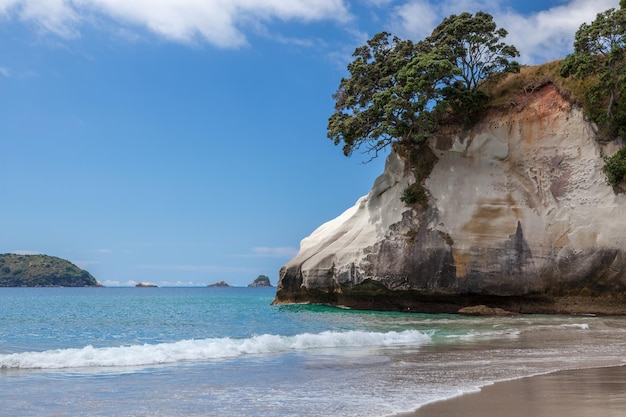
x=184 y=142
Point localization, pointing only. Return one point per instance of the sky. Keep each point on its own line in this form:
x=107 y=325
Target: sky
x=183 y=142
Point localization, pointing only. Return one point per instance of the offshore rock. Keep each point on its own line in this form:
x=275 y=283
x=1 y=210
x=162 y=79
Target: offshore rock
x=519 y=216
x=261 y=281
x=145 y=285
x=219 y=284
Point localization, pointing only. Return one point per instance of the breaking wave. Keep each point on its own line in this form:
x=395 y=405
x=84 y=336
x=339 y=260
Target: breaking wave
x=205 y=349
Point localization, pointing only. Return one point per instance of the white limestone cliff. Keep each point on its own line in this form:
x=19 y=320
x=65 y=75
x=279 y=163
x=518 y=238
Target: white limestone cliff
x=518 y=207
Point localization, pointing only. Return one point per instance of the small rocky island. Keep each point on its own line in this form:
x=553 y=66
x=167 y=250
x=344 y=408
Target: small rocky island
x=261 y=281
x=146 y=285
x=219 y=284
x=42 y=271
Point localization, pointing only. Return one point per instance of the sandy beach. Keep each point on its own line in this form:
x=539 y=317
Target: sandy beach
x=599 y=392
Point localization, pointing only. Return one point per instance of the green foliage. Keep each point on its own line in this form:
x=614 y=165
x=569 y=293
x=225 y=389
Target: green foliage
x=385 y=97
x=262 y=279
x=474 y=46
x=414 y=194
x=599 y=53
x=397 y=89
x=41 y=271
x=615 y=167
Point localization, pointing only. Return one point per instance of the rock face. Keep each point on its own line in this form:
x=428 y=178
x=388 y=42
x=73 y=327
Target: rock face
x=519 y=216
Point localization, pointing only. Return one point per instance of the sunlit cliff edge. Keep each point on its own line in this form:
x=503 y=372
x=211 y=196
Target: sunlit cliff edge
x=519 y=216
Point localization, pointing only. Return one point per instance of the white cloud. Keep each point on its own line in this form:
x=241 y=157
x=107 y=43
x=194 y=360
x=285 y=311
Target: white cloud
x=549 y=34
x=378 y=3
x=115 y=283
x=286 y=252
x=179 y=284
x=416 y=19
x=540 y=36
x=4 y=71
x=57 y=16
x=219 y=22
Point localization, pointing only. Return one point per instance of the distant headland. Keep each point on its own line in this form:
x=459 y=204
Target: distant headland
x=42 y=271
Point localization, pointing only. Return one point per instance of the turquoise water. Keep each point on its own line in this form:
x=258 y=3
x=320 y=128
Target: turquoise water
x=228 y=352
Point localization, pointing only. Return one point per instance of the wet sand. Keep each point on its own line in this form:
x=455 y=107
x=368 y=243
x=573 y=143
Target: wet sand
x=599 y=392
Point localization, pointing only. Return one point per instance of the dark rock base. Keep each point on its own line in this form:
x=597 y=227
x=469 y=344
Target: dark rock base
x=437 y=303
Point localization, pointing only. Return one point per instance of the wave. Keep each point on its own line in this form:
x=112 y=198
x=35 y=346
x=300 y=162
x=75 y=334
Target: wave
x=205 y=349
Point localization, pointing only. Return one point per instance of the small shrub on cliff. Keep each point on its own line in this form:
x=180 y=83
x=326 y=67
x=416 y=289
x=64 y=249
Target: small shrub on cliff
x=615 y=167
x=414 y=194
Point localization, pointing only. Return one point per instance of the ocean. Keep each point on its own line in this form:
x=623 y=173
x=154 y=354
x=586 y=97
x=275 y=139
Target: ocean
x=228 y=352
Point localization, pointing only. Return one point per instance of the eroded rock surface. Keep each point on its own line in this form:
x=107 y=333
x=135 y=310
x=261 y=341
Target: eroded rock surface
x=519 y=216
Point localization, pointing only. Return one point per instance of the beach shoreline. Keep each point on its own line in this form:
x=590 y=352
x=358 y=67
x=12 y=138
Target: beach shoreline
x=597 y=392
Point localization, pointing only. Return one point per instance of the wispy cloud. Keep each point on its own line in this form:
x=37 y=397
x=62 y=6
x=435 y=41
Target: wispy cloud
x=549 y=34
x=85 y=264
x=57 y=16
x=540 y=36
x=116 y=283
x=100 y=251
x=196 y=268
x=5 y=72
x=220 y=23
x=132 y=283
x=276 y=252
x=286 y=252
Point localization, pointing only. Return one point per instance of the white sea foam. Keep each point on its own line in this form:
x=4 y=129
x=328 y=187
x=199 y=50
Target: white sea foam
x=205 y=349
x=581 y=326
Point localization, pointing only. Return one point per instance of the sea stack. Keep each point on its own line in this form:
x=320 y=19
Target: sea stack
x=260 y=281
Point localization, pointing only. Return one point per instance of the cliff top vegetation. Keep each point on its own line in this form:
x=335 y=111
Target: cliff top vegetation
x=42 y=271
x=399 y=92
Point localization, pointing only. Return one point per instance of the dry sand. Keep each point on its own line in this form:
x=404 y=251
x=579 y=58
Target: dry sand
x=580 y=393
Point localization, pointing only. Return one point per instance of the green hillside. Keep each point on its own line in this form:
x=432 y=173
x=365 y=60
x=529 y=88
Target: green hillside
x=42 y=271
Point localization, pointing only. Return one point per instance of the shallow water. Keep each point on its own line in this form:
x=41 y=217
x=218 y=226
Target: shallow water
x=227 y=352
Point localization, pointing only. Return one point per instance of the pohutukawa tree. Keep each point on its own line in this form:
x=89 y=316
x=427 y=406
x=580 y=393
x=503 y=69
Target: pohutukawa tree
x=473 y=44
x=397 y=87
x=386 y=96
